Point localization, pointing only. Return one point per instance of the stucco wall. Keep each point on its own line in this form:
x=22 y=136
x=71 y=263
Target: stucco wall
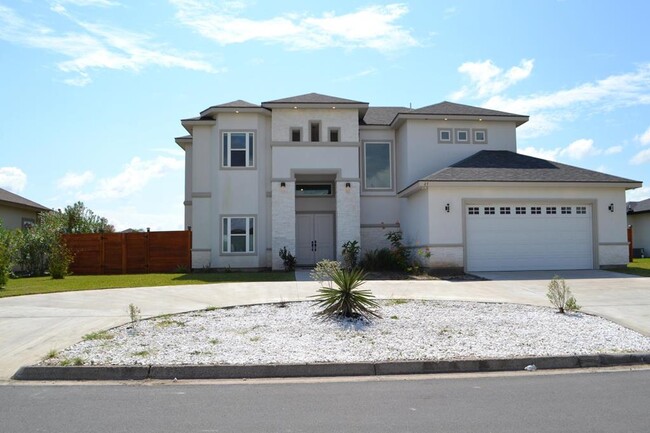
x=345 y=119
x=12 y=218
x=640 y=231
x=315 y=158
x=445 y=230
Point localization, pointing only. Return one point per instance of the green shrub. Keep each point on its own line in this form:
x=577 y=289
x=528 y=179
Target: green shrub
x=5 y=264
x=560 y=295
x=324 y=270
x=288 y=259
x=346 y=299
x=400 y=253
x=379 y=260
x=350 y=254
x=59 y=259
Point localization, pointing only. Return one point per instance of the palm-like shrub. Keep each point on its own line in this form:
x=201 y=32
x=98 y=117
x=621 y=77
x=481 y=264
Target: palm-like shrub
x=345 y=298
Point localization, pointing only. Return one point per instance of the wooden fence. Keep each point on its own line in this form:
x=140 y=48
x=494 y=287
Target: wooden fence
x=130 y=253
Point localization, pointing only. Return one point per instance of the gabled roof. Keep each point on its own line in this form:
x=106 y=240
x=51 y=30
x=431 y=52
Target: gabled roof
x=638 y=206
x=382 y=116
x=313 y=98
x=506 y=166
x=11 y=199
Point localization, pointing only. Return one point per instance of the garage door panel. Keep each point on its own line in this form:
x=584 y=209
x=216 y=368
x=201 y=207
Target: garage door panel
x=529 y=241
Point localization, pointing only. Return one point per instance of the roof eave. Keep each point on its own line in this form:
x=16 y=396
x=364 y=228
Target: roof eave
x=212 y=111
x=401 y=117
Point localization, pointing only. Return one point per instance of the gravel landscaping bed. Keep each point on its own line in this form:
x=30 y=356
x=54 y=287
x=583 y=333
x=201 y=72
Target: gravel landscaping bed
x=409 y=330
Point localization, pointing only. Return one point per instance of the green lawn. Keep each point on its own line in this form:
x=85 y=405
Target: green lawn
x=640 y=267
x=35 y=285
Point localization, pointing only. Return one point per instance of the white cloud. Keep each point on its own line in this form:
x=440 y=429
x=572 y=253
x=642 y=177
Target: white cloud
x=577 y=150
x=99 y=3
x=134 y=177
x=613 y=150
x=360 y=74
x=550 y=154
x=12 y=179
x=644 y=138
x=75 y=180
x=94 y=46
x=371 y=27
x=580 y=149
x=141 y=217
x=638 y=194
x=487 y=79
x=641 y=157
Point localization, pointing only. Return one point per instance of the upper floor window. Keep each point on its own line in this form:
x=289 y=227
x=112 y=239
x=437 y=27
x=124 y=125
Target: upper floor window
x=314 y=131
x=480 y=136
x=444 y=135
x=377 y=162
x=462 y=136
x=238 y=149
x=334 y=134
x=296 y=134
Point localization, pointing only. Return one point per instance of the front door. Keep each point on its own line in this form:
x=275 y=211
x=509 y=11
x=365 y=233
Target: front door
x=314 y=238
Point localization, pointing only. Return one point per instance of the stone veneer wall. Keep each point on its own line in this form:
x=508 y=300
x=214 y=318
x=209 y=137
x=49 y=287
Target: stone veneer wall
x=283 y=221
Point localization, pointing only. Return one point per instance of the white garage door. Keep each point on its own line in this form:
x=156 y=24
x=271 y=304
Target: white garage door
x=525 y=236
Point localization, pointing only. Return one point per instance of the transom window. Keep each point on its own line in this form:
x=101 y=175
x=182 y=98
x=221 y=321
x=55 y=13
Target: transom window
x=536 y=210
x=488 y=210
x=238 y=149
x=473 y=210
x=378 y=166
x=238 y=234
x=520 y=210
x=566 y=210
x=551 y=210
x=313 y=189
x=504 y=210
x=581 y=210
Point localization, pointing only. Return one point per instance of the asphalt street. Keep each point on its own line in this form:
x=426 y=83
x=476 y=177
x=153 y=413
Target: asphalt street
x=600 y=401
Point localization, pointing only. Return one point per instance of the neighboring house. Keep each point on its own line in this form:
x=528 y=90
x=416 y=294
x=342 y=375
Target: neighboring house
x=311 y=172
x=18 y=212
x=638 y=216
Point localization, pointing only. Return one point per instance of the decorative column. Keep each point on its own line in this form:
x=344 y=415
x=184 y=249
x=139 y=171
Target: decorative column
x=283 y=220
x=348 y=214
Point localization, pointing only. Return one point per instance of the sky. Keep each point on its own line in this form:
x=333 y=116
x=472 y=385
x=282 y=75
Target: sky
x=92 y=91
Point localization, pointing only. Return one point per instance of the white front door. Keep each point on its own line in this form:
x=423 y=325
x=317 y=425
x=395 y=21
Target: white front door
x=314 y=238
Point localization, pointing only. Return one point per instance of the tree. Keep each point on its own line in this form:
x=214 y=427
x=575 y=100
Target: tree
x=77 y=218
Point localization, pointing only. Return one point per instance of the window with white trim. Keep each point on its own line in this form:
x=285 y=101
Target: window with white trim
x=473 y=210
x=238 y=149
x=566 y=210
x=488 y=210
x=238 y=235
x=504 y=210
x=520 y=210
x=296 y=134
x=480 y=136
x=581 y=210
x=551 y=210
x=444 y=135
x=535 y=210
x=462 y=136
x=334 y=134
x=378 y=166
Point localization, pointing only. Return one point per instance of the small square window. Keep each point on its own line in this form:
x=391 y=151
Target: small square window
x=551 y=210
x=444 y=135
x=581 y=210
x=296 y=134
x=504 y=210
x=488 y=210
x=535 y=210
x=566 y=210
x=520 y=210
x=480 y=136
x=473 y=210
x=462 y=136
x=334 y=135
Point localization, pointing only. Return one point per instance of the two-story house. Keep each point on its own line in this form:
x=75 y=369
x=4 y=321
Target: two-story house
x=312 y=172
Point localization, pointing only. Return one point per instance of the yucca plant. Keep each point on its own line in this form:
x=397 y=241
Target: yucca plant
x=345 y=298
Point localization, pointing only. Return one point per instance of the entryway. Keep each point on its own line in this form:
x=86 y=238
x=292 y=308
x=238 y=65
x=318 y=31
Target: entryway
x=314 y=238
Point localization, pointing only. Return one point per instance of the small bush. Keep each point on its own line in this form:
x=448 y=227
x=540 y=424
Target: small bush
x=5 y=264
x=346 y=300
x=59 y=259
x=560 y=295
x=134 y=313
x=350 y=254
x=380 y=260
x=324 y=270
x=400 y=253
x=288 y=259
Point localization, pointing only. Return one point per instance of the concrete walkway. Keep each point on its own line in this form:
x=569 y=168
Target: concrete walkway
x=32 y=325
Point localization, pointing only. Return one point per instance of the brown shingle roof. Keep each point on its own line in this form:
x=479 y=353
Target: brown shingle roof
x=383 y=116
x=313 y=98
x=638 y=206
x=14 y=199
x=446 y=108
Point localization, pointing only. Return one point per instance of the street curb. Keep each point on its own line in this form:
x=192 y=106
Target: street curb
x=170 y=372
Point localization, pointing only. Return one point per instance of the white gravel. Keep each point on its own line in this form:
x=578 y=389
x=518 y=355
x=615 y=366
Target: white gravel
x=409 y=330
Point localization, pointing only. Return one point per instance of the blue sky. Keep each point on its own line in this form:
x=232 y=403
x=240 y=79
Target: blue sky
x=93 y=90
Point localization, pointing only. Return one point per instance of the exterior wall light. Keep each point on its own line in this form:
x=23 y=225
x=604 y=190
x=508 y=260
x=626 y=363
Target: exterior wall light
x=447 y=208
x=283 y=186
x=611 y=207
x=347 y=186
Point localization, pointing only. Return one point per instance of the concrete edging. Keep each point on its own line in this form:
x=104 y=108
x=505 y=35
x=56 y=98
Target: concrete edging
x=169 y=372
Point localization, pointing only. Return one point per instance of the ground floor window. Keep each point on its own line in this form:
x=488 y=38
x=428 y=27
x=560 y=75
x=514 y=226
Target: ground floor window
x=238 y=234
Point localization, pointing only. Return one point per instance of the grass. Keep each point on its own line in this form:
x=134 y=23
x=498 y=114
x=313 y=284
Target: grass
x=640 y=267
x=101 y=335
x=39 y=285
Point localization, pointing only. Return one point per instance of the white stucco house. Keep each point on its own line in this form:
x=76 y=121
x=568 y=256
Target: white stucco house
x=311 y=172
x=638 y=216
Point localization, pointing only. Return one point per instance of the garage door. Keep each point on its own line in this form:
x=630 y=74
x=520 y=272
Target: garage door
x=525 y=236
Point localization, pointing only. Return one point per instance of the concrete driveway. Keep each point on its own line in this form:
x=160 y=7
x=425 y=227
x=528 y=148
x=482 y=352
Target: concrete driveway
x=33 y=325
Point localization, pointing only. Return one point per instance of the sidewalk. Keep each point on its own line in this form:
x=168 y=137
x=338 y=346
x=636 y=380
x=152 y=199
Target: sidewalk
x=32 y=325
